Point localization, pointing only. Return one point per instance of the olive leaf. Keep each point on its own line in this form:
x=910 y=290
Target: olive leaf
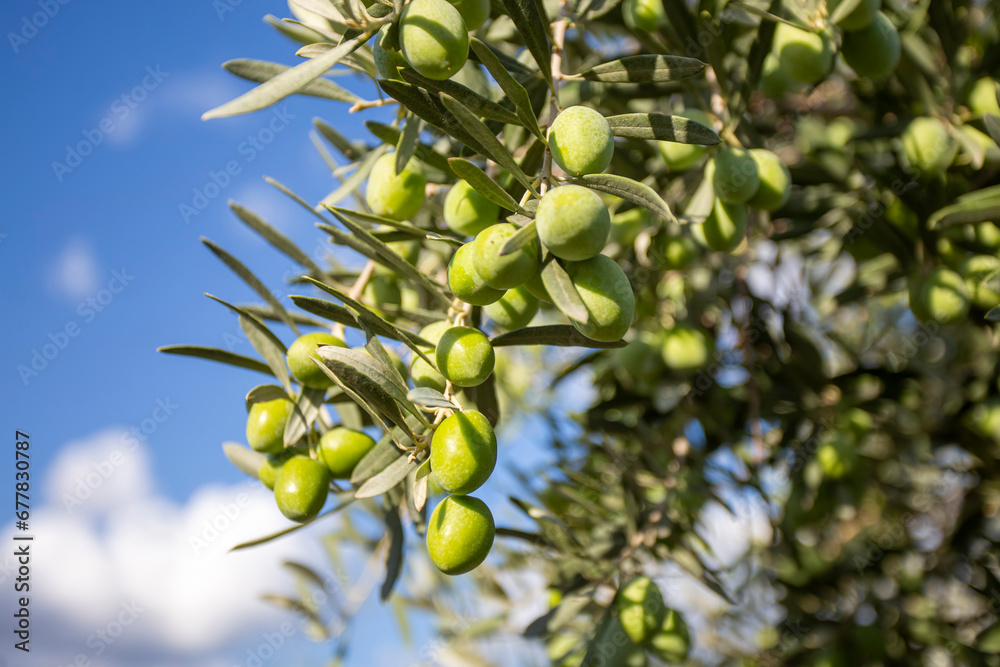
x=662 y=127
x=215 y=354
x=349 y=150
x=430 y=398
x=265 y=342
x=286 y=83
x=390 y=135
x=564 y=295
x=481 y=106
x=643 y=69
x=993 y=127
x=483 y=184
x=407 y=143
x=292 y=529
x=520 y=238
x=306 y=411
x=631 y=191
x=527 y=18
x=387 y=478
x=350 y=184
x=515 y=91
x=245 y=459
x=556 y=335
x=265 y=393
x=420 y=481
x=507 y=62
x=394 y=552
x=377 y=459
x=260 y=71
x=429 y=107
x=275 y=238
x=380 y=374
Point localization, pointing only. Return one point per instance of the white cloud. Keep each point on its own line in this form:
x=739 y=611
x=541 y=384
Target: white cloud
x=72 y=274
x=125 y=553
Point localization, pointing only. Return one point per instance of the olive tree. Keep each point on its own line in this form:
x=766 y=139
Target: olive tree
x=759 y=234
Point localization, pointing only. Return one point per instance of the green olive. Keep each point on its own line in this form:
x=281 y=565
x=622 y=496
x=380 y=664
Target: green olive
x=269 y=469
x=606 y=292
x=423 y=373
x=940 y=297
x=433 y=38
x=536 y=287
x=382 y=291
x=301 y=364
x=466 y=283
x=266 y=425
x=460 y=534
x=674 y=252
x=572 y=222
x=641 y=609
x=775 y=181
x=685 y=348
x=859 y=17
x=928 y=146
x=463 y=452
x=395 y=196
x=725 y=227
x=467 y=212
x=672 y=641
x=301 y=488
x=341 y=448
x=805 y=56
x=581 y=141
x=465 y=356
x=514 y=310
x=387 y=61
x=504 y=271
x=980 y=273
x=983 y=98
x=735 y=176
x=627 y=225
x=645 y=15
x=837 y=456
x=873 y=51
x=681 y=157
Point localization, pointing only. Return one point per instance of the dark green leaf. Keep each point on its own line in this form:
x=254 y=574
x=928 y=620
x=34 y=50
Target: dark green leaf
x=662 y=127
x=644 y=69
x=431 y=109
x=564 y=295
x=994 y=314
x=394 y=554
x=481 y=106
x=993 y=127
x=286 y=83
x=407 y=143
x=260 y=71
x=483 y=184
x=509 y=63
x=631 y=191
x=515 y=91
x=427 y=155
x=245 y=459
x=527 y=18
x=266 y=343
x=363 y=402
x=380 y=374
x=338 y=141
x=558 y=335
x=215 y=354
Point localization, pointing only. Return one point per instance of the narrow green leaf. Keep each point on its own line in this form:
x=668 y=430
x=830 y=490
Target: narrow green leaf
x=377 y=459
x=363 y=402
x=215 y=354
x=994 y=314
x=631 y=191
x=527 y=18
x=993 y=127
x=430 y=398
x=341 y=315
x=644 y=69
x=509 y=63
x=386 y=479
x=237 y=267
x=420 y=482
x=483 y=184
x=350 y=184
x=349 y=150
x=493 y=148
x=407 y=143
x=485 y=397
x=264 y=393
x=302 y=418
x=292 y=529
x=521 y=238
x=245 y=459
x=515 y=91
x=369 y=219
x=286 y=83
x=266 y=343
x=556 y=335
x=379 y=373
x=481 y=106
x=564 y=295
x=394 y=554
x=966 y=212
x=364 y=382
x=260 y=71
x=308 y=573
x=275 y=238
x=662 y=127
x=768 y=16
x=390 y=135
x=431 y=109
x=392 y=259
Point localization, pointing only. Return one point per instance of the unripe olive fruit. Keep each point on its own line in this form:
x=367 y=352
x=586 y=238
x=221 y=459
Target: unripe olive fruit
x=514 y=310
x=467 y=212
x=735 y=176
x=647 y=15
x=940 y=296
x=640 y=609
x=805 y=56
x=774 y=82
x=725 y=227
x=269 y=469
x=981 y=279
x=463 y=452
x=573 y=222
x=681 y=157
x=859 y=17
x=983 y=97
x=581 y=141
x=836 y=456
x=382 y=291
x=387 y=61
x=301 y=488
x=627 y=225
x=536 y=287
x=466 y=283
x=504 y=271
x=605 y=291
x=460 y=534
x=874 y=50
x=395 y=196
x=423 y=373
x=434 y=38
x=928 y=146
x=775 y=181
x=341 y=448
x=474 y=12
x=465 y=356
x=674 y=252
x=302 y=366
x=408 y=250
x=672 y=641
x=991 y=152
x=266 y=425
x=685 y=348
